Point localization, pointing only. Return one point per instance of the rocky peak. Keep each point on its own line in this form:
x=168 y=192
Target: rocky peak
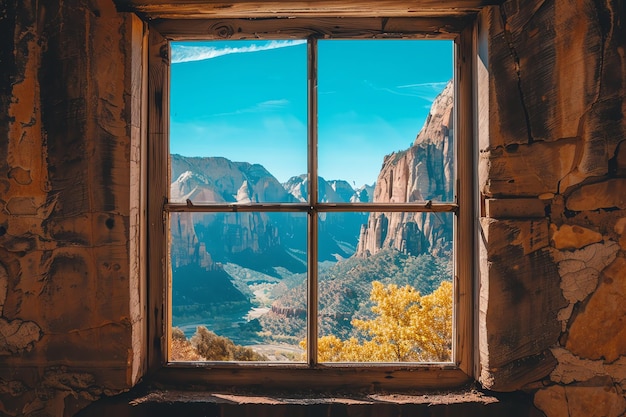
x=422 y=173
x=333 y=191
x=363 y=194
x=217 y=179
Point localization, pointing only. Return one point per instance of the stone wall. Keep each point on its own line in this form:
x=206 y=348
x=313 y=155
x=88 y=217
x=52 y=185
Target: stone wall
x=70 y=309
x=552 y=175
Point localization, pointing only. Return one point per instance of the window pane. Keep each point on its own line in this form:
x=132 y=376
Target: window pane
x=238 y=120
x=239 y=276
x=392 y=300
x=377 y=121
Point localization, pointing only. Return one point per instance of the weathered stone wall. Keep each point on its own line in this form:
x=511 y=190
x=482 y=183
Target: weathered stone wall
x=552 y=173
x=70 y=309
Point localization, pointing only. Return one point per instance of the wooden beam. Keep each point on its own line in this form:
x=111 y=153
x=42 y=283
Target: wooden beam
x=300 y=28
x=465 y=239
x=368 y=377
x=195 y=9
x=158 y=177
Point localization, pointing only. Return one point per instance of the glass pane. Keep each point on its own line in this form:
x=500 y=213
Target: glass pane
x=385 y=120
x=391 y=301
x=238 y=286
x=238 y=120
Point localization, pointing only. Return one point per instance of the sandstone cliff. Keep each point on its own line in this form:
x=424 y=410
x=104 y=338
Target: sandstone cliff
x=422 y=173
x=256 y=240
x=219 y=180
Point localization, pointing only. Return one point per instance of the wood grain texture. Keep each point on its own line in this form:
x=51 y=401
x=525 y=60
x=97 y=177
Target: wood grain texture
x=138 y=241
x=466 y=190
x=304 y=27
x=158 y=178
x=155 y=9
x=323 y=378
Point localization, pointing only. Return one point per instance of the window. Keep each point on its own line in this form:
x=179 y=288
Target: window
x=310 y=258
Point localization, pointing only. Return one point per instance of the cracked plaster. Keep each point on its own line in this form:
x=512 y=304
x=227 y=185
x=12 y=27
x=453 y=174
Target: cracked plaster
x=580 y=269
x=571 y=368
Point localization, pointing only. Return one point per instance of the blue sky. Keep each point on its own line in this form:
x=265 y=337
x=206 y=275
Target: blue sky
x=247 y=101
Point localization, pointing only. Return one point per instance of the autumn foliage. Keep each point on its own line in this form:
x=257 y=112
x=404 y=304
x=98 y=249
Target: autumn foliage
x=407 y=327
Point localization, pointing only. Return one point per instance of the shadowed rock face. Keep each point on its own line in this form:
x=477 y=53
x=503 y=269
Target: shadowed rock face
x=206 y=238
x=424 y=172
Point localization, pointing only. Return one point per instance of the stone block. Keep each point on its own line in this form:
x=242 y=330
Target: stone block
x=601 y=195
x=599 y=329
x=519 y=303
x=502 y=208
x=597 y=398
x=572 y=236
x=528 y=170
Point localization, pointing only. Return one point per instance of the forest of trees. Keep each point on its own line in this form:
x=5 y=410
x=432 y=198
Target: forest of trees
x=345 y=292
x=405 y=327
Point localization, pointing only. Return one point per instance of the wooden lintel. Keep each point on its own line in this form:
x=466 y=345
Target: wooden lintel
x=194 y=9
x=301 y=27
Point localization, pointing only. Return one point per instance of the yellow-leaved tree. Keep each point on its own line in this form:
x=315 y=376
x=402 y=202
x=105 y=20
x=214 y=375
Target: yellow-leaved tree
x=408 y=327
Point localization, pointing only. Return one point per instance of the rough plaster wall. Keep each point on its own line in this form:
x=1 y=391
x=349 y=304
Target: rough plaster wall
x=553 y=175
x=66 y=315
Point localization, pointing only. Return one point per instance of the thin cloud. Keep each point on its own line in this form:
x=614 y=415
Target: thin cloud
x=272 y=104
x=183 y=53
x=424 y=91
x=435 y=85
x=264 y=106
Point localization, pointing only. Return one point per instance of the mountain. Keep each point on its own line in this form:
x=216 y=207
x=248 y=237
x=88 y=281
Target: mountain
x=363 y=194
x=266 y=252
x=394 y=247
x=248 y=238
x=334 y=191
x=422 y=173
x=219 y=180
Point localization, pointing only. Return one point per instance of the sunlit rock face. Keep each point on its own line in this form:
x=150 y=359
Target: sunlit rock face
x=422 y=173
x=219 y=180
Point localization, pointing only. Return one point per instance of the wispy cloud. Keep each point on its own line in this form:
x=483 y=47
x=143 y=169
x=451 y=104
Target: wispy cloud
x=184 y=53
x=272 y=104
x=424 y=91
x=264 y=106
x=435 y=86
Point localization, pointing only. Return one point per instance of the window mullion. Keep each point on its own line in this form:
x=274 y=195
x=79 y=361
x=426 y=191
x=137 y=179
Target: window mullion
x=312 y=291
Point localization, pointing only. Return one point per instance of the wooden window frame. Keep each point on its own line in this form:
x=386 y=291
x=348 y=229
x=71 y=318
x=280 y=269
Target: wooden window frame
x=312 y=375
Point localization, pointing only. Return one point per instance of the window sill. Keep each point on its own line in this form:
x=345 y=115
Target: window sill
x=332 y=378
x=150 y=401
